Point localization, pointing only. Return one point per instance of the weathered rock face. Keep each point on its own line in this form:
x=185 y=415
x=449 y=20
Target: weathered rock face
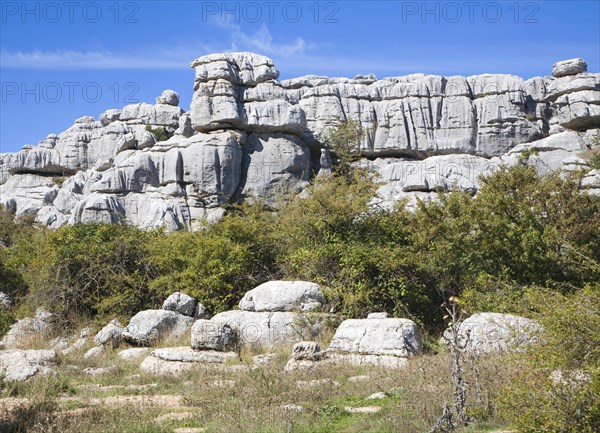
x=177 y=360
x=150 y=326
x=212 y=335
x=249 y=135
x=569 y=67
x=110 y=335
x=181 y=303
x=20 y=365
x=23 y=330
x=283 y=296
x=265 y=329
x=396 y=337
x=492 y=332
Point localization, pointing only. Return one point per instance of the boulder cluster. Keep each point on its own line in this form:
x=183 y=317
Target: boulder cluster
x=248 y=134
x=276 y=314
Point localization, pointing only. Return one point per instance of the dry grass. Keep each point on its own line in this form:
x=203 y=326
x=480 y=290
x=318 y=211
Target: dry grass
x=255 y=403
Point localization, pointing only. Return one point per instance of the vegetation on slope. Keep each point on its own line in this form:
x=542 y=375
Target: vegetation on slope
x=525 y=244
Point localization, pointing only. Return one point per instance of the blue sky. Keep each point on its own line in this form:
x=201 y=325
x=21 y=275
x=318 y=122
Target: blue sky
x=62 y=60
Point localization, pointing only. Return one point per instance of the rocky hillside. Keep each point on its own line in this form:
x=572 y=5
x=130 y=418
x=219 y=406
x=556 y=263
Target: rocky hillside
x=248 y=134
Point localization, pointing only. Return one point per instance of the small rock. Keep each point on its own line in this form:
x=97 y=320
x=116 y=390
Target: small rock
x=358 y=378
x=133 y=353
x=5 y=300
x=364 y=409
x=200 y=312
x=222 y=383
x=85 y=332
x=264 y=359
x=93 y=352
x=168 y=97
x=316 y=382
x=308 y=350
x=293 y=408
x=377 y=396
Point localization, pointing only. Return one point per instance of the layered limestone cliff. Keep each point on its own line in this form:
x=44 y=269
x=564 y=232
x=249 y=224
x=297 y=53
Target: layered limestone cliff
x=248 y=134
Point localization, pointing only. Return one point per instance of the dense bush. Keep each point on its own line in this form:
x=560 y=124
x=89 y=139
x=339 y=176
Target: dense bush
x=219 y=264
x=93 y=270
x=521 y=230
x=558 y=386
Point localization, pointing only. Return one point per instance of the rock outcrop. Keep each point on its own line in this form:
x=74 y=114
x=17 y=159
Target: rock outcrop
x=150 y=326
x=379 y=341
x=484 y=333
x=19 y=365
x=283 y=296
x=25 y=329
x=248 y=134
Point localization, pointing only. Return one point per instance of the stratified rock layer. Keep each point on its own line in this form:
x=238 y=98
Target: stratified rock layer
x=247 y=134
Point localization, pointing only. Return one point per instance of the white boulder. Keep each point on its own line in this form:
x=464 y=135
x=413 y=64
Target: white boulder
x=283 y=296
x=181 y=303
x=149 y=326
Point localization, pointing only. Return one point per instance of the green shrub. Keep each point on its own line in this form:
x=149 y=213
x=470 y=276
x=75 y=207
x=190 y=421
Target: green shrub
x=94 y=270
x=219 y=264
x=570 y=344
x=160 y=132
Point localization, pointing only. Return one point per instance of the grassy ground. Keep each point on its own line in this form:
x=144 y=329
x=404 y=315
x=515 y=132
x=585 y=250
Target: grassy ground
x=128 y=400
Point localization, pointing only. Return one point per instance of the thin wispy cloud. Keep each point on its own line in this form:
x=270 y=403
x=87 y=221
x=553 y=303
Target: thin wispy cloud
x=72 y=59
x=262 y=41
x=171 y=57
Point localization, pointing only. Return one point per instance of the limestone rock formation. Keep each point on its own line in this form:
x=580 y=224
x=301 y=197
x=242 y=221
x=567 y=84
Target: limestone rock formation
x=177 y=360
x=110 y=335
x=23 y=330
x=149 y=326
x=492 y=332
x=395 y=337
x=212 y=335
x=264 y=329
x=19 y=365
x=247 y=135
x=283 y=296
x=181 y=303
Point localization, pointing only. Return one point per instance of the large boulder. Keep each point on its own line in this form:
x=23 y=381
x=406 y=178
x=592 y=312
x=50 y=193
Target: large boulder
x=177 y=360
x=168 y=97
x=283 y=296
x=150 y=326
x=23 y=330
x=110 y=334
x=211 y=335
x=181 y=303
x=19 y=365
x=569 y=67
x=265 y=329
x=395 y=337
x=495 y=332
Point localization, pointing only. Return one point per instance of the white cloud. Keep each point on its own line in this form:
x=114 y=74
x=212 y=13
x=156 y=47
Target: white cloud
x=71 y=59
x=261 y=41
x=172 y=57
